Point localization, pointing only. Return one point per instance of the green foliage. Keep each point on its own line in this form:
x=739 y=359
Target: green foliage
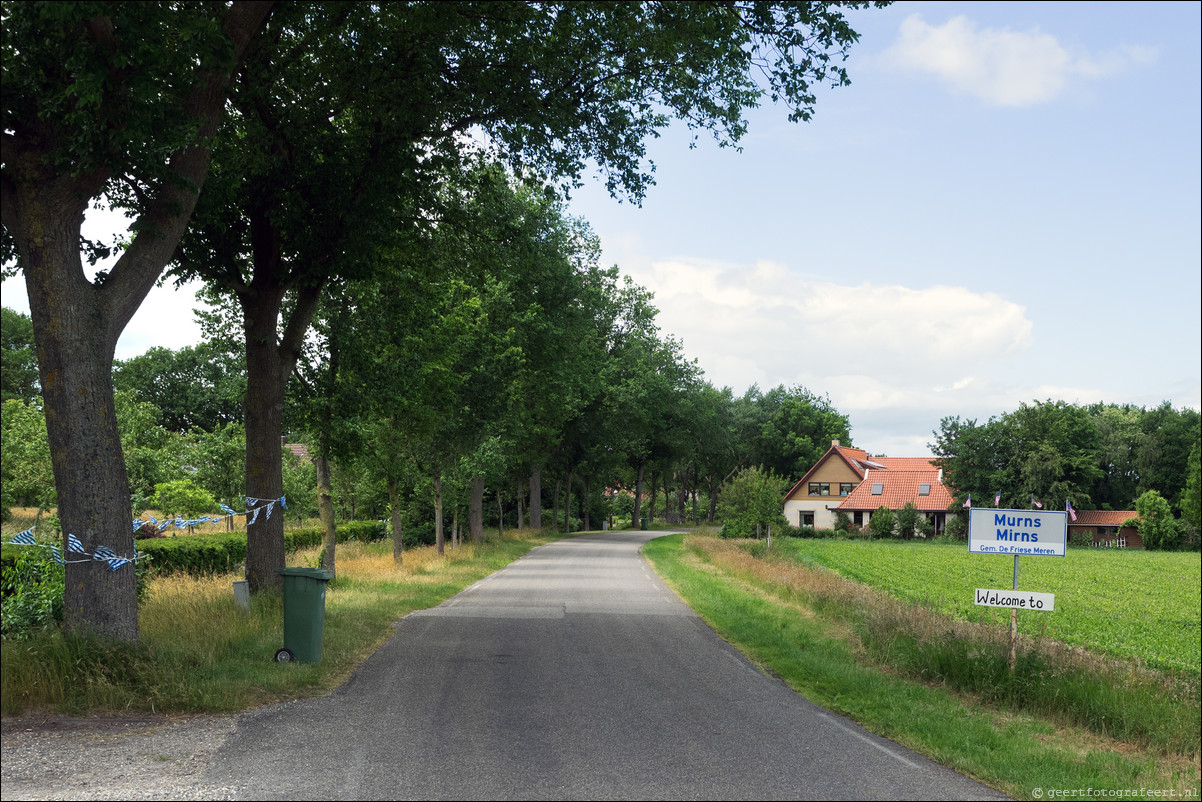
x=1191 y=497
x=19 y=366
x=26 y=476
x=1101 y=456
x=200 y=555
x=32 y=591
x=788 y=430
x=882 y=523
x=1157 y=527
x=196 y=387
x=182 y=497
x=751 y=502
x=908 y=521
x=842 y=521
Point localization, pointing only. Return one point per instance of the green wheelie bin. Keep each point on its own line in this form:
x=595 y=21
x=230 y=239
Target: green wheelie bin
x=304 y=613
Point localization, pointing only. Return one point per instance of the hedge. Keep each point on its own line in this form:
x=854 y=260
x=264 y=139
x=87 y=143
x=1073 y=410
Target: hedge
x=207 y=554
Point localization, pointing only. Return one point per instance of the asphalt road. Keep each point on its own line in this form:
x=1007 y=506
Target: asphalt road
x=573 y=673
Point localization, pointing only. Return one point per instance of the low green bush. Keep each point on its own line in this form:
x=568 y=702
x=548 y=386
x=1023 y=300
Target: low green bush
x=32 y=594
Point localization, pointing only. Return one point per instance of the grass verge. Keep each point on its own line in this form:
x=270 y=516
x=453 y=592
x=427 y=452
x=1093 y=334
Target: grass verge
x=200 y=653
x=812 y=629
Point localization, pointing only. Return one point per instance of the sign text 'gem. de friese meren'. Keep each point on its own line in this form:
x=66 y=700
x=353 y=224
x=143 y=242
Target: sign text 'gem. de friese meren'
x=1017 y=532
x=1020 y=599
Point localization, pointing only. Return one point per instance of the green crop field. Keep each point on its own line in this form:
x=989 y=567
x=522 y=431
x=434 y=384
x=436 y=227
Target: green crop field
x=1127 y=603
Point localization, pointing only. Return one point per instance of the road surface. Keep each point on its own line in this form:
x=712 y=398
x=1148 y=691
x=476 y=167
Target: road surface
x=573 y=673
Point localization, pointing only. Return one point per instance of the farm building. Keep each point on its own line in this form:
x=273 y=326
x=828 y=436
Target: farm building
x=1105 y=528
x=848 y=480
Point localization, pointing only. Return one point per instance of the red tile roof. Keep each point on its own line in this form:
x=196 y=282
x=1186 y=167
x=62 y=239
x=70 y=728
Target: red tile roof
x=1102 y=517
x=899 y=487
x=904 y=463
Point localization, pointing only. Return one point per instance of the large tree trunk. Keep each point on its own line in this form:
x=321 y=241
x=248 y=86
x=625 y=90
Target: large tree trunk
x=264 y=409
x=536 y=498
x=75 y=358
x=394 y=501
x=713 y=511
x=500 y=514
x=475 y=513
x=325 y=510
x=521 y=512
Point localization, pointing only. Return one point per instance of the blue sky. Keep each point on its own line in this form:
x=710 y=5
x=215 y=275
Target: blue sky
x=1002 y=207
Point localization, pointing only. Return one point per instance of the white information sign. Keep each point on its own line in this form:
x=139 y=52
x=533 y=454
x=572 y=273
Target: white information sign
x=1017 y=532
x=1019 y=599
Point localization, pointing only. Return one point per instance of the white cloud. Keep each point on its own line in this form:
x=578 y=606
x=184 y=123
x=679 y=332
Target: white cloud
x=1003 y=67
x=762 y=323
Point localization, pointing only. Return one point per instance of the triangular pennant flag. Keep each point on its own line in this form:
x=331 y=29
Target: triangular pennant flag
x=74 y=545
x=23 y=538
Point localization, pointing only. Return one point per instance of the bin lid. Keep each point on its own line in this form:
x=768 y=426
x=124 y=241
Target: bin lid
x=312 y=573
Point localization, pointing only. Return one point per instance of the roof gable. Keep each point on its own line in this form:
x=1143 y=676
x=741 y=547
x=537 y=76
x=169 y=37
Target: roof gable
x=851 y=457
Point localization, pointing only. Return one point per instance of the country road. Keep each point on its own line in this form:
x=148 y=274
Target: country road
x=574 y=673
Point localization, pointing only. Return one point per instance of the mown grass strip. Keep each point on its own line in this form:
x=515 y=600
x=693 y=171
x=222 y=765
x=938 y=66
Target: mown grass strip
x=819 y=654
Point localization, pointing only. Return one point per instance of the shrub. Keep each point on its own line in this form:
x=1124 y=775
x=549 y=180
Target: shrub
x=906 y=520
x=752 y=500
x=33 y=587
x=881 y=523
x=182 y=497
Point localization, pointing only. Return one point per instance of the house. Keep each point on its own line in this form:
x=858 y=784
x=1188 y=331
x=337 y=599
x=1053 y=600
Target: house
x=1105 y=528
x=848 y=480
x=894 y=488
x=812 y=500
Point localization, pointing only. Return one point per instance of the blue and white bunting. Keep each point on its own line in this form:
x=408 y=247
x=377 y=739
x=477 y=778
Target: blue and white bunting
x=73 y=545
x=24 y=538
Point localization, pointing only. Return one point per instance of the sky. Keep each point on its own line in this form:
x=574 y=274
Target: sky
x=1002 y=208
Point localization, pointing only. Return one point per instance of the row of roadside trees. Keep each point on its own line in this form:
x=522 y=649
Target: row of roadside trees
x=328 y=138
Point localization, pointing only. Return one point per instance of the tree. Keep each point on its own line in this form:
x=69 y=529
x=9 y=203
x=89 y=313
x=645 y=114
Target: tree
x=19 y=370
x=1157 y=527
x=125 y=107
x=796 y=427
x=1191 y=497
x=199 y=386
x=751 y=503
x=117 y=102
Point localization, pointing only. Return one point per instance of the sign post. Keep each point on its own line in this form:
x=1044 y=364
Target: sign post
x=1018 y=532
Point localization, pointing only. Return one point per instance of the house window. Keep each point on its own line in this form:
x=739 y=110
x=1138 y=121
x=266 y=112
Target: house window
x=924 y=489
x=857 y=518
x=845 y=488
x=878 y=488
x=820 y=488
x=805 y=519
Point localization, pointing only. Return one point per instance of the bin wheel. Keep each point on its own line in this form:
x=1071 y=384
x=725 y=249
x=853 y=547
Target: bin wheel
x=283 y=656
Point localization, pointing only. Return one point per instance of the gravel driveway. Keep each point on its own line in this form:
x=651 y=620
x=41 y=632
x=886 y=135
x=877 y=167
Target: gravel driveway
x=136 y=757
